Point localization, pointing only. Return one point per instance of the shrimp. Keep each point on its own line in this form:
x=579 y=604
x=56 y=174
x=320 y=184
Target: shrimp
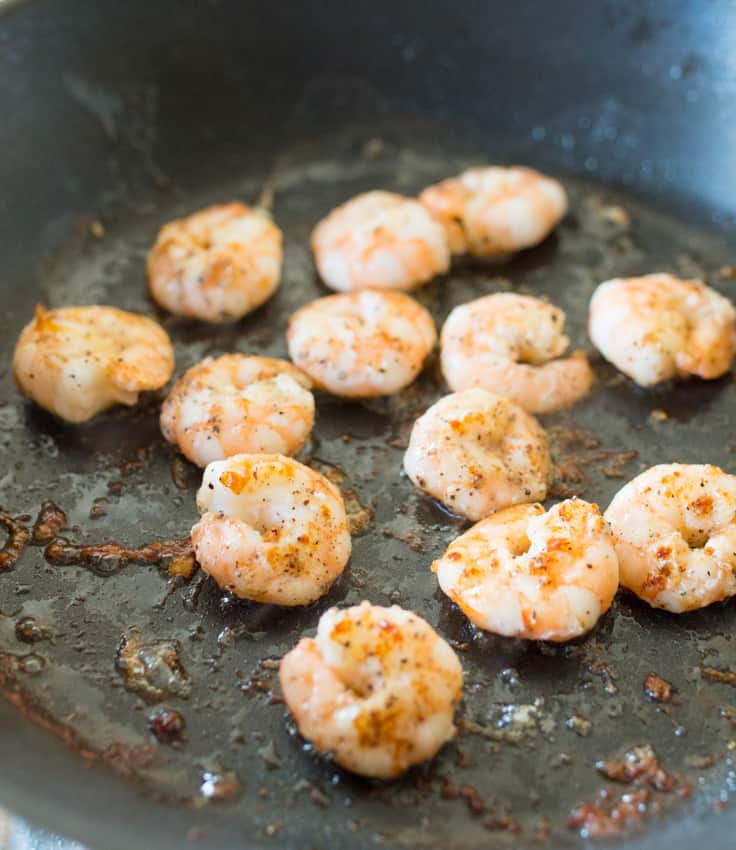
x=78 y=361
x=272 y=530
x=477 y=453
x=375 y=689
x=217 y=264
x=658 y=327
x=507 y=343
x=233 y=404
x=379 y=240
x=492 y=210
x=527 y=573
x=675 y=532
x=362 y=344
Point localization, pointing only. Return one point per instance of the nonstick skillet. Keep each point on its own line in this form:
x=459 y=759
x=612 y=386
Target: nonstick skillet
x=119 y=116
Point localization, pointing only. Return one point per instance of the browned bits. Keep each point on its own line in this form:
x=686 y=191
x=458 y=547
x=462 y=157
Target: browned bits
x=609 y=815
x=108 y=558
x=575 y=451
x=166 y=724
x=657 y=688
x=99 y=509
x=18 y=538
x=29 y=630
x=641 y=765
x=713 y=674
x=151 y=669
x=51 y=519
x=450 y=791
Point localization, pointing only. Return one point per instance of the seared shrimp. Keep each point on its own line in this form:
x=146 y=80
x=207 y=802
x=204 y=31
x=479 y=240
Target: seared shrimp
x=78 y=361
x=363 y=344
x=379 y=240
x=375 y=689
x=477 y=452
x=272 y=530
x=493 y=210
x=530 y=574
x=658 y=327
x=233 y=404
x=508 y=343
x=675 y=532
x=217 y=264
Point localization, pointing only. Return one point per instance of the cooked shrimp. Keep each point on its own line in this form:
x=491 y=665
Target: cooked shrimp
x=233 y=404
x=533 y=574
x=217 y=264
x=477 y=452
x=375 y=689
x=78 y=361
x=658 y=327
x=272 y=530
x=493 y=210
x=675 y=532
x=508 y=343
x=379 y=240
x=363 y=344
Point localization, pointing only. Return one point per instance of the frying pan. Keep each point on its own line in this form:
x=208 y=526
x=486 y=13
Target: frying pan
x=117 y=117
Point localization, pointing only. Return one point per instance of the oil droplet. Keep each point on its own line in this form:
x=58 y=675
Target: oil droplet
x=32 y=664
x=220 y=785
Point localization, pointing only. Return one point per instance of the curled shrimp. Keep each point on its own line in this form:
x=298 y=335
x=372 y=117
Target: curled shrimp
x=237 y=404
x=362 y=344
x=272 y=530
x=658 y=327
x=508 y=343
x=379 y=240
x=477 y=452
x=78 y=361
x=492 y=210
x=527 y=573
x=675 y=532
x=375 y=689
x=217 y=264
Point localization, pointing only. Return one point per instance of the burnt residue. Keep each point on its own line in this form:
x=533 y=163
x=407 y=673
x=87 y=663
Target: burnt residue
x=18 y=538
x=641 y=765
x=450 y=791
x=713 y=674
x=152 y=668
x=610 y=814
x=50 y=520
x=658 y=689
x=108 y=558
x=575 y=452
x=166 y=725
x=359 y=515
x=30 y=630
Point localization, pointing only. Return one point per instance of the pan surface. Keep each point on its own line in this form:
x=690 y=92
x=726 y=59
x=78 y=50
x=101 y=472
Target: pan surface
x=80 y=756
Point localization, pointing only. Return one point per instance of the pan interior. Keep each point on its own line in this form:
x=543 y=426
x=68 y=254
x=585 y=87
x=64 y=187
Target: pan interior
x=535 y=718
